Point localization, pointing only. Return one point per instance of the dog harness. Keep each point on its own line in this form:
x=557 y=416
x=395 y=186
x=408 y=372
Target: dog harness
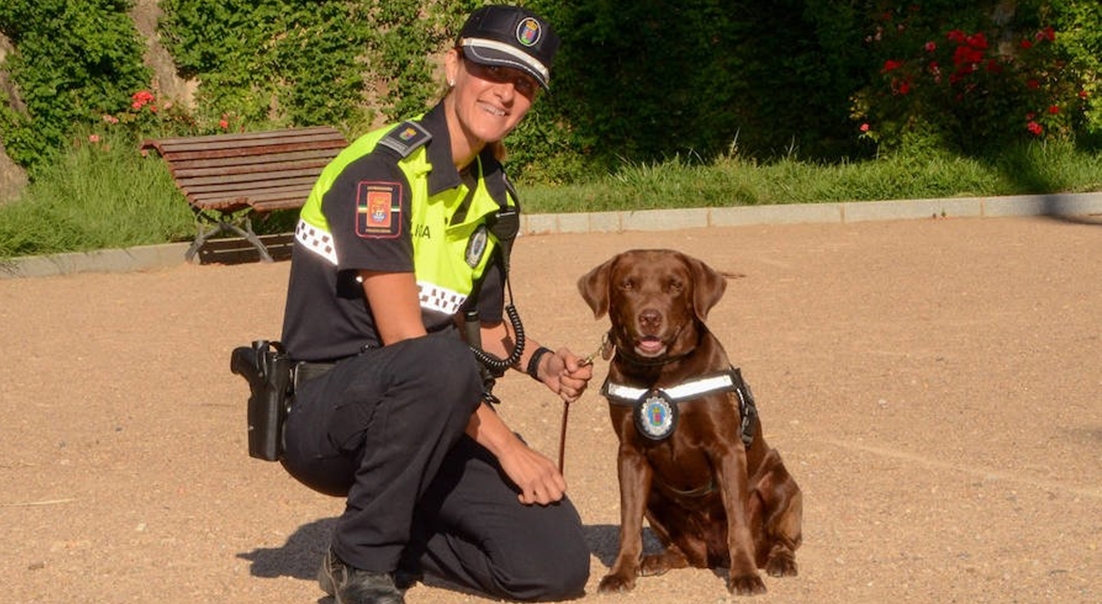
x=656 y=409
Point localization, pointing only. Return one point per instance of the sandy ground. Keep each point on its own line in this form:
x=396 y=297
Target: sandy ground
x=933 y=385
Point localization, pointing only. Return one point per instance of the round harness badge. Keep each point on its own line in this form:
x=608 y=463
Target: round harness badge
x=656 y=416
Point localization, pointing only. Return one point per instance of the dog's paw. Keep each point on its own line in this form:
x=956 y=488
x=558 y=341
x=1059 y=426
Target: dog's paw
x=746 y=585
x=781 y=563
x=657 y=564
x=616 y=583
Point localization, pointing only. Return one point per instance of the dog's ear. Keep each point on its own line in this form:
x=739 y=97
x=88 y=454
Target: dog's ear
x=708 y=286
x=594 y=288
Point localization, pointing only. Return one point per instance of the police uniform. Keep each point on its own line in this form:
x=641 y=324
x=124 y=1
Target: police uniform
x=385 y=426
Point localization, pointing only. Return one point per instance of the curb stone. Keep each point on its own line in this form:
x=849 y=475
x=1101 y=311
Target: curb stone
x=152 y=257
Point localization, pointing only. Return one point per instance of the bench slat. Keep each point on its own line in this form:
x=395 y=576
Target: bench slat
x=247 y=180
x=300 y=186
x=232 y=153
x=249 y=139
x=312 y=158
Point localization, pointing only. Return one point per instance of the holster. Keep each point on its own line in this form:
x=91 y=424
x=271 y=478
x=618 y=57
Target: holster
x=266 y=368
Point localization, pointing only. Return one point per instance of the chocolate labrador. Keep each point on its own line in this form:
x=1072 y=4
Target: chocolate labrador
x=692 y=459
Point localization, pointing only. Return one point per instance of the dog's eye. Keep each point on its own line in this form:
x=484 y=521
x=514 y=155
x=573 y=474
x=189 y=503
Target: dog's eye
x=676 y=286
x=627 y=285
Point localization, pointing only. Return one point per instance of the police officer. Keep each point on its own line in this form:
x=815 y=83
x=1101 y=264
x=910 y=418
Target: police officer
x=399 y=240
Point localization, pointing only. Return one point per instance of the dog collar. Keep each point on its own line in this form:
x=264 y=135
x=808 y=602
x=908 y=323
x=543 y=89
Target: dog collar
x=655 y=410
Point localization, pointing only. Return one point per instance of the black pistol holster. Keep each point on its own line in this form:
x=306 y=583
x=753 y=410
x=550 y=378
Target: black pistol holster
x=268 y=370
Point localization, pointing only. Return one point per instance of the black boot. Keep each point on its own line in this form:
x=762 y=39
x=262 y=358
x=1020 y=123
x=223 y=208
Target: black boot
x=350 y=585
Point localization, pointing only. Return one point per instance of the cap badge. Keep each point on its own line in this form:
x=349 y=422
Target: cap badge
x=528 y=32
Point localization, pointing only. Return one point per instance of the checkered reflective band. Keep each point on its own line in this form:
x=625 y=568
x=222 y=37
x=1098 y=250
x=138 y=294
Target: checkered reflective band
x=434 y=297
x=316 y=240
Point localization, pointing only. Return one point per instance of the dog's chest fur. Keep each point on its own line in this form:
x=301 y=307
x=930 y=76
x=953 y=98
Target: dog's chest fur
x=682 y=463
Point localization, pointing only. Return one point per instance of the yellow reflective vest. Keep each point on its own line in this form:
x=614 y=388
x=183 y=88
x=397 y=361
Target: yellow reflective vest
x=449 y=259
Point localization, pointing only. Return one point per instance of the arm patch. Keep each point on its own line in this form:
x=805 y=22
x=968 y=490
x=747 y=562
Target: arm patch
x=378 y=210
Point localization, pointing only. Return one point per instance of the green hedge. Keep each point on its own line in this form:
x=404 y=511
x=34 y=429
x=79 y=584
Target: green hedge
x=636 y=81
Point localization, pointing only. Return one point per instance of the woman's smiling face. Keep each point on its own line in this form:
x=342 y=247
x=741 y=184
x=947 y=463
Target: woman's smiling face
x=487 y=102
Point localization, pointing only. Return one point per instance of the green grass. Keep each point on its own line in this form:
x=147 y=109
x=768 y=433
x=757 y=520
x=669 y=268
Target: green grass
x=100 y=195
x=1036 y=169
x=105 y=195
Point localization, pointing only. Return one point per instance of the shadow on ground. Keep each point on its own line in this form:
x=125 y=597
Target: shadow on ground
x=300 y=555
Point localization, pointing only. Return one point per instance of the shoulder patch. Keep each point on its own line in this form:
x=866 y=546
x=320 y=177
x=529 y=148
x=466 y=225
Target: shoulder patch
x=405 y=138
x=378 y=210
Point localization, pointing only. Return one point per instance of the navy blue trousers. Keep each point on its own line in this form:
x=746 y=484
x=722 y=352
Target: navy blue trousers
x=385 y=430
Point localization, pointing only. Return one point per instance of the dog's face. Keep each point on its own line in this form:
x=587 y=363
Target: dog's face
x=655 y=300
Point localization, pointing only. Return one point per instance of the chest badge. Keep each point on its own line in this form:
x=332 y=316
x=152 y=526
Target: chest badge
x=655 y=416
x=476 y=246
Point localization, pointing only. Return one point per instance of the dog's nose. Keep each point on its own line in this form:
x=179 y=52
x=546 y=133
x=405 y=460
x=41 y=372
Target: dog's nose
x=650 y=319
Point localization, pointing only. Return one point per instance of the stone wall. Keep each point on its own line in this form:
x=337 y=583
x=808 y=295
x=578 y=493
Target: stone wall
x=12 y=178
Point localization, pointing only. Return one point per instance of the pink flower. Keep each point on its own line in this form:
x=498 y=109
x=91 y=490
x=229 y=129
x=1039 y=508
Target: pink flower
x=1035 y=128
x=865 y=127
x=223 y=123
x=891 y=65
x=956 y=35
x=1053 y=109
x=1083 y=94
x=930 y=46
x=1026 y=44
x=93 y=138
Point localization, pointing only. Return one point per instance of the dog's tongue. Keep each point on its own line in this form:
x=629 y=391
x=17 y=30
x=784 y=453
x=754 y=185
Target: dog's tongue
x=650 y=346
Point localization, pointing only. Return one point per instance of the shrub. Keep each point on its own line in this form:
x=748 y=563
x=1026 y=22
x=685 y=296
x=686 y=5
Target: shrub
x=971 y=87
x=75 y=60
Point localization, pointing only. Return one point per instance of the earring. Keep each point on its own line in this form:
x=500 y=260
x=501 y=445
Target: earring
x=451 y=83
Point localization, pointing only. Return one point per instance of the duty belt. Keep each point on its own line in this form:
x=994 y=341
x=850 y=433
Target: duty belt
x=304 y=371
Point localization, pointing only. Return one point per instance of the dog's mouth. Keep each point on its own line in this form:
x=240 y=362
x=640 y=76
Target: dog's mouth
x=650 y=347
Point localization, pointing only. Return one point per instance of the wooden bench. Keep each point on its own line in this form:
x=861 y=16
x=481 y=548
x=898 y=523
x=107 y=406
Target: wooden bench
x=230 y=178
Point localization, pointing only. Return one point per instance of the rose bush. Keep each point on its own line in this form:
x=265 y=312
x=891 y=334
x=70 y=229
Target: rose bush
x=967 y=89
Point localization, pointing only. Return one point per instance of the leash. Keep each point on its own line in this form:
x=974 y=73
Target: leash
x=605 y=350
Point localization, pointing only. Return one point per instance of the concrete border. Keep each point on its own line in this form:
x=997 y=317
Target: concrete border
x=1061 y=205
x=1066 y=205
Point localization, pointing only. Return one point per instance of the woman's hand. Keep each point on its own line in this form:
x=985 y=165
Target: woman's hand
x=565 y=374
x=536 y=476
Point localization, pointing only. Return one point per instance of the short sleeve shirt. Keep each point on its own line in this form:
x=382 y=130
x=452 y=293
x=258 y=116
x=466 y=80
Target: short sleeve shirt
x=368 y=212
